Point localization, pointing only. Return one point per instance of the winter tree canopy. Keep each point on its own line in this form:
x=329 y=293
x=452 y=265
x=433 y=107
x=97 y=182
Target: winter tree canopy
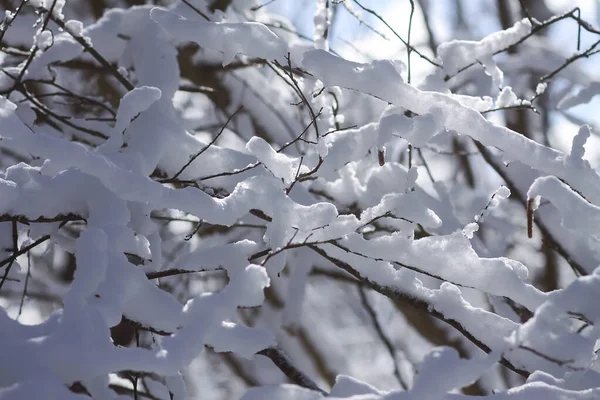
x=344 y=199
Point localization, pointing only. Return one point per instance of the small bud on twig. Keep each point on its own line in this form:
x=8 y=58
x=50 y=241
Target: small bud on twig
x=530 y=210
x=380 y=153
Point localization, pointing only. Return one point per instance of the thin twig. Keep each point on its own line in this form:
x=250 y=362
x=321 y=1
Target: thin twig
x=23 y=250
x=5 y=25
x=198 y=154
x=196 y=10
x=94 y=53
x=408 y=46
x=34 y=50
x=177 y=271
x=27 y=276
x=589 y=52
x=294 y=84
x=15 y=237
x=427 y=169
x=535 y=29
x=379 y=329
x=285 y=365
x=526 y=12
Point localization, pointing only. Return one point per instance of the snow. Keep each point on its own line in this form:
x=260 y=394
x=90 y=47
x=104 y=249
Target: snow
x=418 y=130
x=44 y=39
x=252 y=39
x=347 y=386
x=450 y=370
x=470 y=230
x=452 y=257
x=252 y=244
x=576 y=213
x=381 y=79
x=503 y=192
x=321 y=20
x=541 y=88
x=280 y=165
x=239 y=339
x=132 y=104
x=507 y=98
x=75 y=27
x=457 y=54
